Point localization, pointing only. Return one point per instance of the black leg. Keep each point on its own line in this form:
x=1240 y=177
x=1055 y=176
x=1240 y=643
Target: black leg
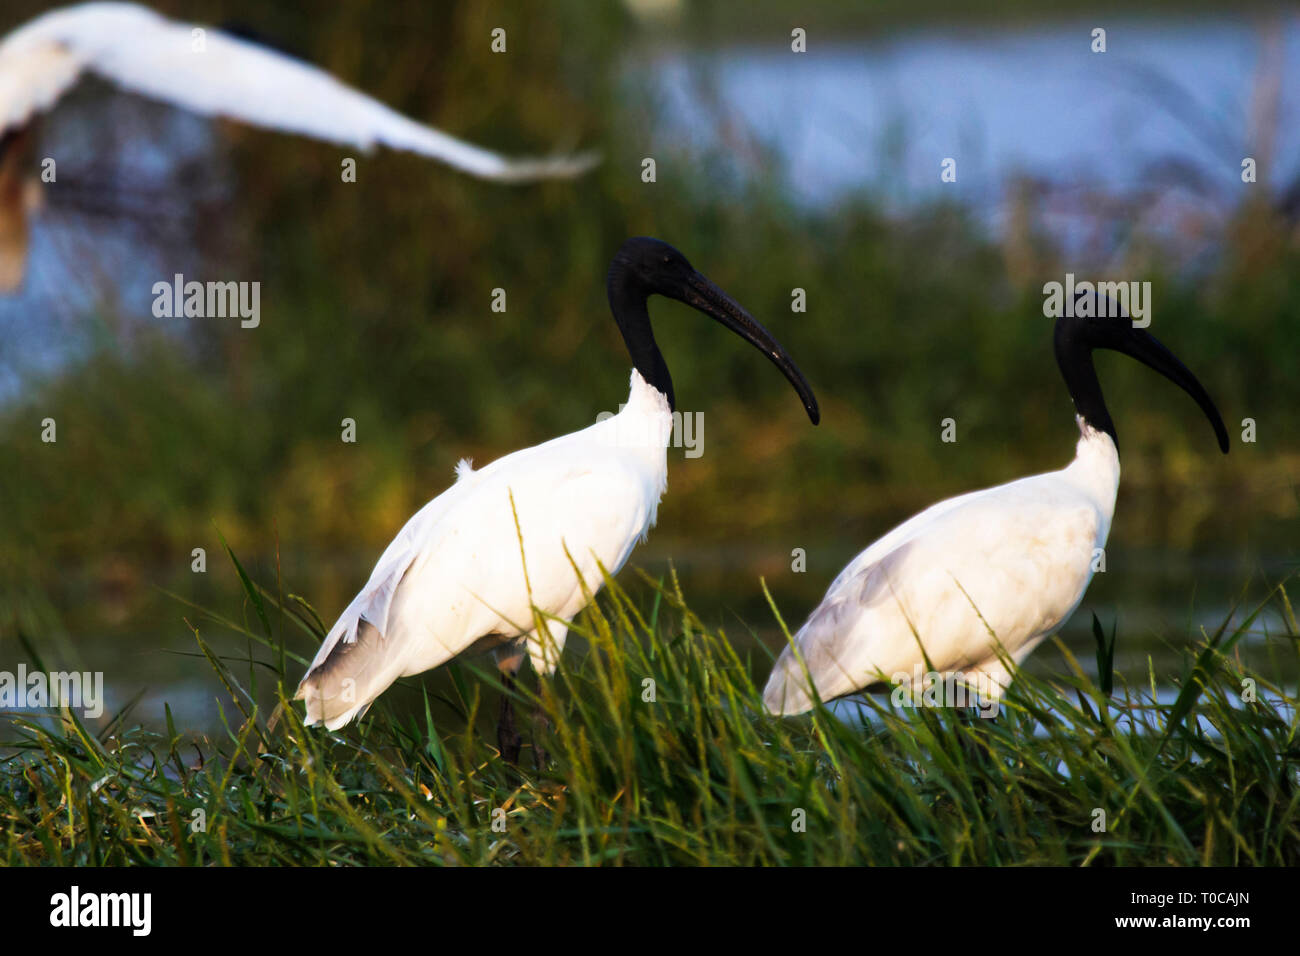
x=508 y=739
x=541 y=725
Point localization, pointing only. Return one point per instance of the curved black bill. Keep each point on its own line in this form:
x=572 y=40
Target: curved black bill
x=1148 y=350
x=703 y=295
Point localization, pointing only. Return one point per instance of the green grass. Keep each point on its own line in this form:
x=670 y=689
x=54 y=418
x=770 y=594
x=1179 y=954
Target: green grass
x=698 y=776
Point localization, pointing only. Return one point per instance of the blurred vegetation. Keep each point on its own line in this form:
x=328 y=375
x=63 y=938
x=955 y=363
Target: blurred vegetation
x=375 y=306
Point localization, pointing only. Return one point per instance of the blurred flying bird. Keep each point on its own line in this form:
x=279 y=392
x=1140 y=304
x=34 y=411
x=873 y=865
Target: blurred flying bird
x=531 y=529
x=970 y=586
x=211 y=73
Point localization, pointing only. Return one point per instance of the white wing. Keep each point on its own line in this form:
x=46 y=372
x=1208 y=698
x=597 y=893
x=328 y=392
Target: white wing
x=225 y=76
x=1003 y=566
x=455 y=575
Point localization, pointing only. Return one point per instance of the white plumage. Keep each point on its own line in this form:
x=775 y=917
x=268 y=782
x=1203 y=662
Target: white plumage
x=455 y=574
x=144 y=53
x=1012 y=561
x=964 y=591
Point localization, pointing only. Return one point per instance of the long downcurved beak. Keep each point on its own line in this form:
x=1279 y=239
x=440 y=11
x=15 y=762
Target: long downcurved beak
x=703 y=295
x=1148 y=350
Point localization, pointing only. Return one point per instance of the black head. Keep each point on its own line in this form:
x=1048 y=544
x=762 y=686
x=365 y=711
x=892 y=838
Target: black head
x=643 y=267
x=653 y=263
x=1105 y=326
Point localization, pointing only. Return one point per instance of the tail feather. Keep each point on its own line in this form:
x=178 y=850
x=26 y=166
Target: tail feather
x=342 y=686
x=787 y=690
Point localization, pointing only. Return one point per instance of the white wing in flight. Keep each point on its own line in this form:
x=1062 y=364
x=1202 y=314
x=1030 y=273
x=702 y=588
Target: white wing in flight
x=144 y=53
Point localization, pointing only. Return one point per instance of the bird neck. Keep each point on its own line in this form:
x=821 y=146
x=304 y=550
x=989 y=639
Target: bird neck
x=1075 y=362
x=1095 y=468
x=627 y=301
x=646 y=421
x=640 y=432
x=1095 y=471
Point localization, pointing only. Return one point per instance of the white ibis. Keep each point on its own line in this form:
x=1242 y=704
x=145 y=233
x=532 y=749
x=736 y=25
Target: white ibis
x=974 y=583
x=212 y=74
x=467 y=570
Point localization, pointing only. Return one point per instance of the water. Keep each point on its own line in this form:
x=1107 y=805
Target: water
x=1003 y=100
x=151 y=172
